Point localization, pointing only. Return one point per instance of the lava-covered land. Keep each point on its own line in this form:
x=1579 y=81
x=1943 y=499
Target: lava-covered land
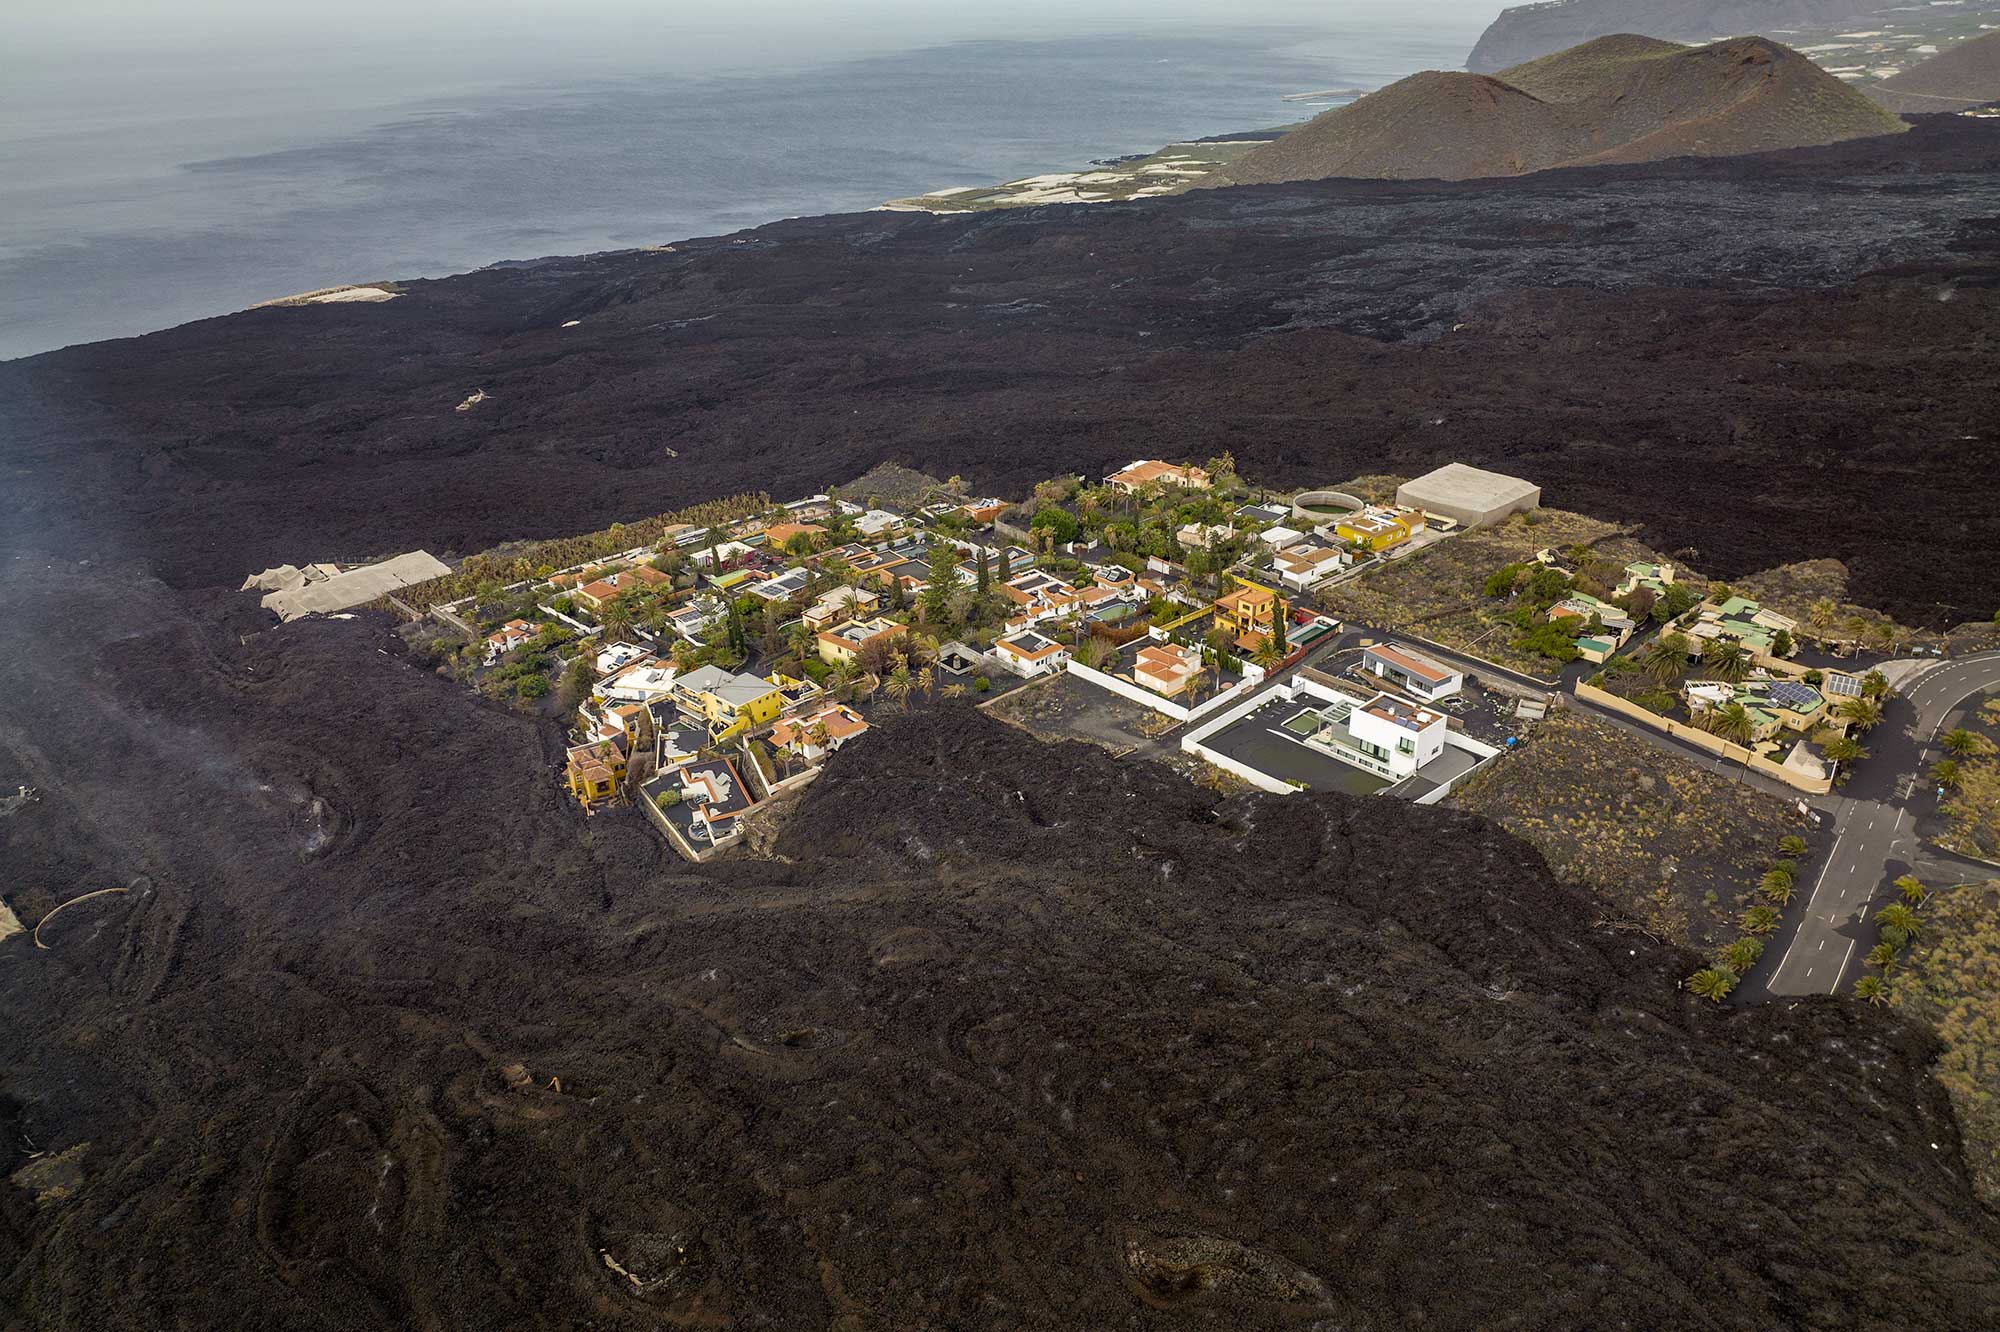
x=385 y=1035
x=1762 y=360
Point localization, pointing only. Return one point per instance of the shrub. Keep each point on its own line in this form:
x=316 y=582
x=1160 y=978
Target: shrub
x=532 y=686
x=981 y=683
x=667 y=799
x=1791 y=845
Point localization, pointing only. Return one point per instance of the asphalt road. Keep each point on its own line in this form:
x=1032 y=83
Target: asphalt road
x=1875 y=839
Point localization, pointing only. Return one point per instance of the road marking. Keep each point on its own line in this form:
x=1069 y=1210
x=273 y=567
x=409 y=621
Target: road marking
x=1822 y=946
x=1843 y=966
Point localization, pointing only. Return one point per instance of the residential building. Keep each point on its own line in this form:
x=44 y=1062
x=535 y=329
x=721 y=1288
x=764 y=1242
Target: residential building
x=1382 y=734
x=779 y=535
x=1377 y=529
x=878 y=524
x=617 y=656
x=507 y=637
x=1246 y=614
x=712 y=800
x=697 y=617
x=1028 y=654
x=609 y=588
x=1412 y=672
x=814 y=735
x=1741 y=620
x=842 y=646
x=1202 y=536
x=721 y=553
x=595 y=772
x=1772 y=705
x=795 y=695
x=727 y=701
x=1264 y=515
x=1134 y=476
x=1302 y=567
x=1656 y=578
x=1281 y=538
x=1166 y=668
x=648 y=682
x=839 y=606
x=783 y=587
x=983 y=511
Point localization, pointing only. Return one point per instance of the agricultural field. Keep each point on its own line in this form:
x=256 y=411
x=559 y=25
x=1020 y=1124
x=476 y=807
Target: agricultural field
x=1674 y=845
x=1439 y=593
x=1950 y=981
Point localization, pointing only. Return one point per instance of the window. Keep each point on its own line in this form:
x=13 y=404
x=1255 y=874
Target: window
x=1406 y=746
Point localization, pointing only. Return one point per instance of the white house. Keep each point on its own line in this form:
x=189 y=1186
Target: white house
x=617 y=656
x=724 y=551
x=1393 y=733
x=1302 y=567
x=1028 y=654
x=1281 y=538
x=1412 y=672
x=802 y=736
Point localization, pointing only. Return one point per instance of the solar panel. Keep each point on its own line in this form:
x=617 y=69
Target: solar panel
x=1792 y=694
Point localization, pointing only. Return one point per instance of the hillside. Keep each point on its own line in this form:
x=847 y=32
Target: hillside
x=1619 y=99
x=1528 y=31
x=1966 y=75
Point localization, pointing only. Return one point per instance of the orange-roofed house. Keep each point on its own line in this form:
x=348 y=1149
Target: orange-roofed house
x=813 y=737
x=1166 y=668
x=1246 y=614
x=1150 y=471
x=780 y=534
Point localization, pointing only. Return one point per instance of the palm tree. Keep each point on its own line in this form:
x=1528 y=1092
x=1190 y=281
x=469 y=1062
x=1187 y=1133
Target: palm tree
x=1731 y=722
x=615 y=618
x=1897 y=916
x=1882 y=957
x=1870 y=989
x=1267 y=654
x=1740 y=956
x=1759 y=920
x=1912 y=889
x=1946 y=773
x=953 y=690
x=1863 y=713
x=927 y=681
x=1821 y=615
x=1712 y=983
x=1727 y=661
x=900 y=685
x=1888 y=635
x=1667 y=657
x=1777 y=886
x=1791 y=844
x=1961 y=743
x=1845 y=749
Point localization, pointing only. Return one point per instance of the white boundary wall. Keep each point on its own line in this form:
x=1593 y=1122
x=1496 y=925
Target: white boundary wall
x=1191 y=743
x=1252 y=677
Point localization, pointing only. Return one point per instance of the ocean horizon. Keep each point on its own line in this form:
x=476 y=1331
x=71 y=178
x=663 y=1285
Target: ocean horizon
x=214 y=203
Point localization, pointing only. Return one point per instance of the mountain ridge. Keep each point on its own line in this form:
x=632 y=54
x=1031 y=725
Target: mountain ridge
x=1956 y=79
x=1526 y=32
x=1618 y=99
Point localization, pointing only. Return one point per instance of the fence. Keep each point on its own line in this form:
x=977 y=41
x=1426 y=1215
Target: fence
x=1252 y=677
x=1701 y=739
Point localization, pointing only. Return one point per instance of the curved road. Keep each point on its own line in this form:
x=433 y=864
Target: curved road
x=1875 y=839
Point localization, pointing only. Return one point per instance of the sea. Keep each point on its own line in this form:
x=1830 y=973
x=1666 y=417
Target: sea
x=144 y=184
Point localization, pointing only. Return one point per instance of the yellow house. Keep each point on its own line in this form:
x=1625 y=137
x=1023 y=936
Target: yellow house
x=1374 y=529
x=596 y=772
x=1246 y=614
x=842 y=646
x=728 y=702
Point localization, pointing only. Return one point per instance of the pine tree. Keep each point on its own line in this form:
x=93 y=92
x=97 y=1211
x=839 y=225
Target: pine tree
x=1006 y=568
x=1279 y=639
x=983 y=577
